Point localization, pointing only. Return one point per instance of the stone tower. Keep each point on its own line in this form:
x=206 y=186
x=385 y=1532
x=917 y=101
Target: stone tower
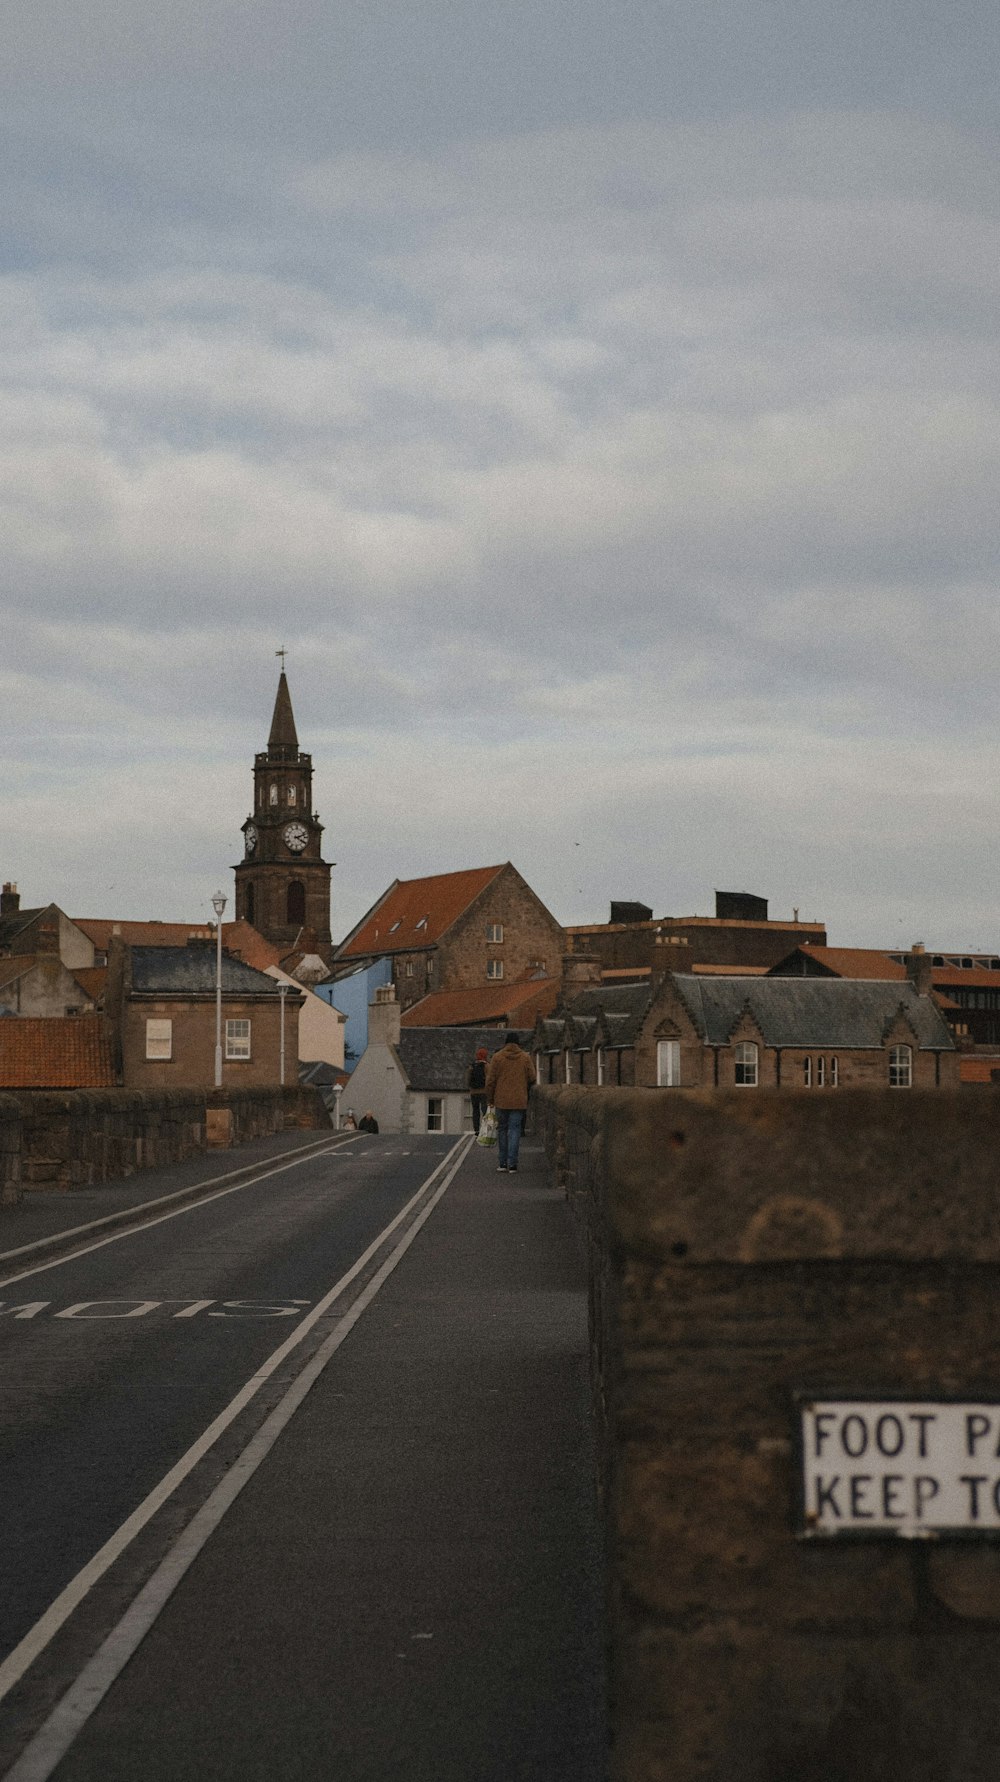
x=282 y=882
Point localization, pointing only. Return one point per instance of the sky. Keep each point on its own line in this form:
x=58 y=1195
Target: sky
x=599 y=402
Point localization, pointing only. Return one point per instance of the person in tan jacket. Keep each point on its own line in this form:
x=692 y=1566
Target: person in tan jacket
x=510 y=1076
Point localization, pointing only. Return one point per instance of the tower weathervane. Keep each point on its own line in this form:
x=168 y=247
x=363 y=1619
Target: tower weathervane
x=282 y=653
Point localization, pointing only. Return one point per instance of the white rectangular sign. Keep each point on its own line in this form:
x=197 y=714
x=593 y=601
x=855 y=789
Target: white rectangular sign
x=916 y=1469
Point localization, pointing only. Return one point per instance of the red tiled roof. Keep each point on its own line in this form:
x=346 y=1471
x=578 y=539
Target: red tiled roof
x=248 y=944
x=91 y=979
x=416 y=912
x=952 y=977
x=142 y=934
x=525 y=998
x=858 y=962
x=63 y=1052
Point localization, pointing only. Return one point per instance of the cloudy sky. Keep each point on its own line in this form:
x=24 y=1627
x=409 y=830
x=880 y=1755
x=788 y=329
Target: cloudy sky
x=598 y=399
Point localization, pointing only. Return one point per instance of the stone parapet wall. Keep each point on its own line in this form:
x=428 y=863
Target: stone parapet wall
x=746 y=1248
x=73 y=1139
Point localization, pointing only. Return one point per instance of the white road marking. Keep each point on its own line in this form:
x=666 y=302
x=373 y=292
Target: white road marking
x=190 y=1206
x=53 y=1739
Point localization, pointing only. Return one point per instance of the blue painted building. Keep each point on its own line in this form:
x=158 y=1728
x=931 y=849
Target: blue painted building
x=351 y=995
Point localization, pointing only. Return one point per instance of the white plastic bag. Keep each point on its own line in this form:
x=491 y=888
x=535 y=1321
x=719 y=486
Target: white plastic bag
x=487 y=1129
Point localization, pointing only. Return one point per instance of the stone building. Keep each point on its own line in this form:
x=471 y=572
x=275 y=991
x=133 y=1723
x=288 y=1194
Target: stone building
x=739 y=934
x=456 y=931
x=283 y=882
x=46 y=961
x=709 y=1031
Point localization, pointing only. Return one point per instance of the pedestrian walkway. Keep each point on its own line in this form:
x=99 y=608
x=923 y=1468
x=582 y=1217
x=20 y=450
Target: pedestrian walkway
x=409 y=1587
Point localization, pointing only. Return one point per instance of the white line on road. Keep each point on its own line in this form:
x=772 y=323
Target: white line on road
x=190 y=1206
x=58 y=1612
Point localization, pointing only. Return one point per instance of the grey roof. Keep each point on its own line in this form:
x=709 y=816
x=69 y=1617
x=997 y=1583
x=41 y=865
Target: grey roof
x=849 y=1013
x=176 y=971
x=437 y=1058
x=11 y=926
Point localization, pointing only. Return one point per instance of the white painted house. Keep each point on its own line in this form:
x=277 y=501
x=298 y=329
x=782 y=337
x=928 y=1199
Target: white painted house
x=414 y=1079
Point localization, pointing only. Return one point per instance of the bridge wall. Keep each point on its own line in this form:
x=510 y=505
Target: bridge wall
x=74 y=1139
x=745 y=1248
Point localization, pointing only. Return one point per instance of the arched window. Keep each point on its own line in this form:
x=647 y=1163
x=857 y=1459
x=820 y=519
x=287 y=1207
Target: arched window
x=746 y=1064
x=292 y=794
x=295 y=913
x=249 y=904
x=274 y=792
x=900 y=1067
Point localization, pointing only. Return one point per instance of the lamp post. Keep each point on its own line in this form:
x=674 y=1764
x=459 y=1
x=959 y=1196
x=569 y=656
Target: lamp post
x=338 y=1090
x=218 y=905
x=283 y=992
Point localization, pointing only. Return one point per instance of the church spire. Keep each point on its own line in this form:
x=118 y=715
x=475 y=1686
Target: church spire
x=283 y=734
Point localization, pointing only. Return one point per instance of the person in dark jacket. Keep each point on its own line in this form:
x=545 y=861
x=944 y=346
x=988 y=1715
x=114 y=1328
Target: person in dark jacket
x=508 y=1080
x=368 y=1122
x=475 y=1078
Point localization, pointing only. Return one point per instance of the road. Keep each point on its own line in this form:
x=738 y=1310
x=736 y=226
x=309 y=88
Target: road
x=143 y=1382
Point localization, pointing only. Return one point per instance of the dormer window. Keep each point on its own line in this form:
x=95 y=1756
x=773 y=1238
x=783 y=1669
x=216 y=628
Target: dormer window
x=422 y=923
x=397 y=924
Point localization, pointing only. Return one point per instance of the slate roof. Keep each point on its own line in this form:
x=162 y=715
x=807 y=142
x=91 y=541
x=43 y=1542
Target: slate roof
x=436 y=1059
x=190 y=971
x=845 y=1013
x=416 y=912
x=524 y=998
x=11 y=925
x=55 y=1052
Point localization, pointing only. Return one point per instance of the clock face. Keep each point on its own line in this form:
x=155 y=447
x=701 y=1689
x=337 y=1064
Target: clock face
x=251 y=837
x=295 y=837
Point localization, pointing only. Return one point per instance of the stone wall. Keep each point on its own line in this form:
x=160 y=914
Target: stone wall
x=745 y=1250
x=68 y=1140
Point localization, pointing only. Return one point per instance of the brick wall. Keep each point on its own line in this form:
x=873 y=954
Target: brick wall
x=744 y=1249
x=78 y=1138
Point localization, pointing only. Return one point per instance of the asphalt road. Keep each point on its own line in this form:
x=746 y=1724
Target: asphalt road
x=198 y=1581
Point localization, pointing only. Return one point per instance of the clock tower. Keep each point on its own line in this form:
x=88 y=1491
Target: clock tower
x=282 y=882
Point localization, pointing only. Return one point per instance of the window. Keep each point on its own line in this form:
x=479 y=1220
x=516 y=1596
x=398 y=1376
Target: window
x=600 y=1065
x=494 y=932
x=900 y=1067
x=422 y=923
x=668 y=1064
x=821 y=1073
x=409 y=968
x=435 y=1113
x=295 y=904
x=237 y=1039
x=159 y=1039
x=807 y=1073
x=746 y=1064
x=292 y=794
x=494 y=968
x=274 y=792
x=834 y=1072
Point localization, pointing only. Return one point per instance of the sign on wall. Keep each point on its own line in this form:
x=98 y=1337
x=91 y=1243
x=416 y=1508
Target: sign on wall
x=919 y=1469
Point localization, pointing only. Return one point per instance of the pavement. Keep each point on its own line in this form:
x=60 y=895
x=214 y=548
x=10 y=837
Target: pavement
x=411 y=1583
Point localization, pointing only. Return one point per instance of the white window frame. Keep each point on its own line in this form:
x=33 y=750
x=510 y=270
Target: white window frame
x=600 y=1066
x=834 y=1073
x=238 y=1041
x=435 y=1113
x=273 y=795
x=746 y=1060
x=821 y=1073
x=494 y=933
x=807 y=1073
x=159 y=1038
x=668 y=1064
x=901 y=1067
x=568 y=1066
x=494 y=969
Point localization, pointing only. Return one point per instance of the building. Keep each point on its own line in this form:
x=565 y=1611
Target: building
x=414 y=1079
x=456 y=931
x=739 y=934
x=283 y=882
x=161 y=1005
x=491 y=1005
x=46 y=961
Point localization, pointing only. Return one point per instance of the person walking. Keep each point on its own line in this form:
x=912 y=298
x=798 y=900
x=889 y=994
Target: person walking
x=510 y=1076
x=368 y=1122
x=475 y=1078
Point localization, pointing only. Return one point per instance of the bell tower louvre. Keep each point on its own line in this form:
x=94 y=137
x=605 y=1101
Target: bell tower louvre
x=282 y=882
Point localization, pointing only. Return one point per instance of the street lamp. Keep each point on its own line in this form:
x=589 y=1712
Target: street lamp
x=218 y=905
x=283 y=990
x=338 y=1090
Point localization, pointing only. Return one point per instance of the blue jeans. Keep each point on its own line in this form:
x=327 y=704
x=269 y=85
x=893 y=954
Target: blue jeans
x=510 y=1125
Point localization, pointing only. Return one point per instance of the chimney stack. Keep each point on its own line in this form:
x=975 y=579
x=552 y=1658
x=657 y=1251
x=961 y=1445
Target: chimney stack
x=918 y=968
x=384 y=1017
x=10 y=901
